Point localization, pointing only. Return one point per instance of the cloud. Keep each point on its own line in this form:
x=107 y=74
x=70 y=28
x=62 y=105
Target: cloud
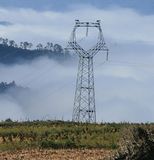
x=52 y=86
x=118 y=24
x=10 y=108
x=51 y=90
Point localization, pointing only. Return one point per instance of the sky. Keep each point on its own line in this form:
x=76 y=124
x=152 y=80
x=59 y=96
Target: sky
x=124 y=84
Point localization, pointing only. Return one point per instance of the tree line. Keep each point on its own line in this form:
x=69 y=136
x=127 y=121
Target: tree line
x=49 y=46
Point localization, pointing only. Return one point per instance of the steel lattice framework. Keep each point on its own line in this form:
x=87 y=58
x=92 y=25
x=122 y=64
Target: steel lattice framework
x=84 y=103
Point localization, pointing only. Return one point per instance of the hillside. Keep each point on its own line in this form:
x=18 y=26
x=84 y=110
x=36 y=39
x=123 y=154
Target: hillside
x=10 y=54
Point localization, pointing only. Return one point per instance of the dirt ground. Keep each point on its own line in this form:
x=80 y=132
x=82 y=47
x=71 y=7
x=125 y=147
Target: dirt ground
x=67 y=154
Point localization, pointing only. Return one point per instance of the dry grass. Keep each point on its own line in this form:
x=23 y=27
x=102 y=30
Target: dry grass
x=63 y=154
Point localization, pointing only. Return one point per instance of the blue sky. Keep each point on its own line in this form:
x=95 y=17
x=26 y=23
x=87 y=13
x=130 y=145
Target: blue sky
x=142 y=6
x=124 y=85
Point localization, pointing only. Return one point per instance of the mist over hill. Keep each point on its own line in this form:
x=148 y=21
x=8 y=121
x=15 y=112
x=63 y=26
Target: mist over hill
x=28 y=77
x=11 y=87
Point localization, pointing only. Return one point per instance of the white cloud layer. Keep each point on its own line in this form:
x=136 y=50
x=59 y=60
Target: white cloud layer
x=118 y=24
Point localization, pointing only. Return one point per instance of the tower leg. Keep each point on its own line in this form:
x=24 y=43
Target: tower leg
x=84 y=102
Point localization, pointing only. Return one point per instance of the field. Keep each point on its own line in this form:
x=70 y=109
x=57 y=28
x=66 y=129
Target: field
x=60 y=140
x=61 y=154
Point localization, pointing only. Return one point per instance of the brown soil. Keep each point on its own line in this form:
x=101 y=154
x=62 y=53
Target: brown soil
x=67 y=154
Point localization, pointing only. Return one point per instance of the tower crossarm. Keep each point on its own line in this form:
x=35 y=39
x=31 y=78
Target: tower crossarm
x=100 y=46
x=73 y=44
x=77 y=48
x=87 y=24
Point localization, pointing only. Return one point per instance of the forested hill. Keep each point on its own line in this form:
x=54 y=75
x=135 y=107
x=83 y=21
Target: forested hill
x=10 y=52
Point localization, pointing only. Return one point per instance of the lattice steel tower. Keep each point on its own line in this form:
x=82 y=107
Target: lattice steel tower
x=84 y=103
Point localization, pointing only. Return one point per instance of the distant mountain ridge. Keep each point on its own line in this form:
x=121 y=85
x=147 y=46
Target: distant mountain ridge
x=11 y=53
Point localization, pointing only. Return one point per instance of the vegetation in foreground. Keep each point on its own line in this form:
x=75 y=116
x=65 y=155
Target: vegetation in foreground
x=62 y=135
x=137 y=143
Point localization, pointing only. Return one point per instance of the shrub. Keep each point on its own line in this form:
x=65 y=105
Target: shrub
x=136 y=144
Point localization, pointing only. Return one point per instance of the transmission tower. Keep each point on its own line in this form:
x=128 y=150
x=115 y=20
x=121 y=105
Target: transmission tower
x=84 y=102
